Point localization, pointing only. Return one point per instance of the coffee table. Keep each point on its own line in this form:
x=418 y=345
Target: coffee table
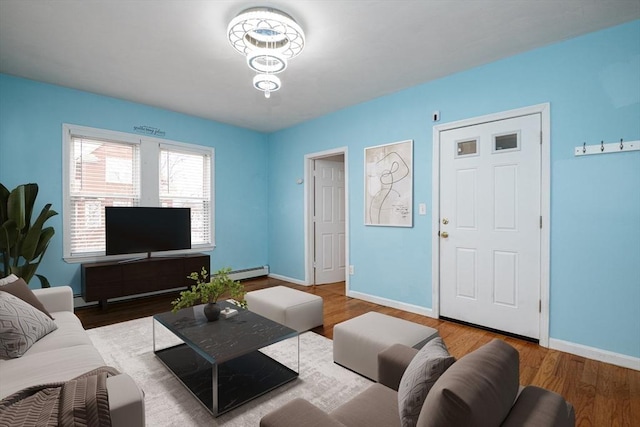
x=221 y=362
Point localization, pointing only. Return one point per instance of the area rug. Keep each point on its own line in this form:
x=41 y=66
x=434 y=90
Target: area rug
x=128 y=346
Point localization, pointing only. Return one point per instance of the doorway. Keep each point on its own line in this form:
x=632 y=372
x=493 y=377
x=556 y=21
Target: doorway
x=491 y=223
x=326 y=224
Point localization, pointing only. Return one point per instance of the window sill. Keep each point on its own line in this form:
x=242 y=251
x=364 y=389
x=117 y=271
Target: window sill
x=105 y=258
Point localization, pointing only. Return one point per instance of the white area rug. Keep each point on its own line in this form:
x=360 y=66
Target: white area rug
x=128 y=346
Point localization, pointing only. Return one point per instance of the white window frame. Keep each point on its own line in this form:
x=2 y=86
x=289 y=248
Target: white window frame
x=149 y=182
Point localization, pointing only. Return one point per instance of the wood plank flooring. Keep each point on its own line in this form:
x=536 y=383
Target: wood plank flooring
x=602 y=394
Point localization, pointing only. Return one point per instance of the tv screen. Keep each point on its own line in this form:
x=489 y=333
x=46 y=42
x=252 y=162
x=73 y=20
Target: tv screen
x=130 y=230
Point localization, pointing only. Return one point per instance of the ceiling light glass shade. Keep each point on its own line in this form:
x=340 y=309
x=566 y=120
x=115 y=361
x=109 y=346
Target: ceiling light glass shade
x=265 y=28
x=266 y=82
x=266 y=61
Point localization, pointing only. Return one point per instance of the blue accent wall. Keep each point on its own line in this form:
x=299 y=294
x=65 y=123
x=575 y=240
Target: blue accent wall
x=31 y=118
x=593 y=86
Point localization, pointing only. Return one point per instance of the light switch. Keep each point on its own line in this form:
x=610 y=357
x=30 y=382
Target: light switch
x=422 y=208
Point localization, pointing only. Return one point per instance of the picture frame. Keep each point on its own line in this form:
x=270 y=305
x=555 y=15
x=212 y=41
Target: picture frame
x=388 y=184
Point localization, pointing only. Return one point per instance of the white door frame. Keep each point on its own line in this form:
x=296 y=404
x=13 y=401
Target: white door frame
x=545 y=202
x=308 y=211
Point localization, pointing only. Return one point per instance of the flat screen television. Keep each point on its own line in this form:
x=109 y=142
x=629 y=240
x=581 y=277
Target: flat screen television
x=132 y=230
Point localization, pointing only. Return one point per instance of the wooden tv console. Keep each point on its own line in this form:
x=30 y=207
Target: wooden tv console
x=104 y=280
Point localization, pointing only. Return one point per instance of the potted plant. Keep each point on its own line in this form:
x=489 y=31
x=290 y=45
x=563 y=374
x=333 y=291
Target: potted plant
x=23 y=244
x=207 y=290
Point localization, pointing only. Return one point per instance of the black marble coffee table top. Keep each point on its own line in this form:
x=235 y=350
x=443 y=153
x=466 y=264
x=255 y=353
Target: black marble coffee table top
x=224 y=339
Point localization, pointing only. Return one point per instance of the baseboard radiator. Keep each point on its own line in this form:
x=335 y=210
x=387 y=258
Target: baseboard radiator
x=249 y=273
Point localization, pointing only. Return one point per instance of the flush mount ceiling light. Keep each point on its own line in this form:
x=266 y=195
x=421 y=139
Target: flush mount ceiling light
x=268 y=38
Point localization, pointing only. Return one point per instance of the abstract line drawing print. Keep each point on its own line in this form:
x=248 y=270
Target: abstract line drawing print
x=389 y=184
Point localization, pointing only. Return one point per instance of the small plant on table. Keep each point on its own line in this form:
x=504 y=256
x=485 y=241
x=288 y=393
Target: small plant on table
x=208 y=290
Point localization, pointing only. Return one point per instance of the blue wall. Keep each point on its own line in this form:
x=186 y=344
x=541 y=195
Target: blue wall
x=593 y=85
x=31 y=118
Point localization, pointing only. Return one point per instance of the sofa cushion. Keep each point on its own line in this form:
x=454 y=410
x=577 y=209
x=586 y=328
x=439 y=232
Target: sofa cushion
x=376 y=406
x=421 y=374
x=20 y=289
x=539 y=407
x=477 y=390
x=69 y=333
x=46 y=367
x=297 y=413
x=21 y=325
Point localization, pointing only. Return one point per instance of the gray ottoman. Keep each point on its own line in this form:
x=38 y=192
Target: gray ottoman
x=357 y=341
x=296 y=309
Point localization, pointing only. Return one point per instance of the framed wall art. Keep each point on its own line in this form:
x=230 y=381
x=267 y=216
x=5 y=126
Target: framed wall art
x=389 y=184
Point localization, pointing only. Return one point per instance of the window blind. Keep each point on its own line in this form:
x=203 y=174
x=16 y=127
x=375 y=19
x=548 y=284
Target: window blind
x=102 y=173
x=185 y=181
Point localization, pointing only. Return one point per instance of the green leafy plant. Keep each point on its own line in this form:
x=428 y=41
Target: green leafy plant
x=208 y=290
x=23 y=244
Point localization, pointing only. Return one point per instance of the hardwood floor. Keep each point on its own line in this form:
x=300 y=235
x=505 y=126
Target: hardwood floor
x=602 y=394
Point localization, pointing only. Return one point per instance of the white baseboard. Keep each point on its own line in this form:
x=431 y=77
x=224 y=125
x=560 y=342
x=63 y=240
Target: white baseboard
x=600 y=355
x=391 y=303
x=288 y=279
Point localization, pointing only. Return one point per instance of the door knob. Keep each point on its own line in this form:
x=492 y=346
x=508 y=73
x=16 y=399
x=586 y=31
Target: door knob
x=444 y=234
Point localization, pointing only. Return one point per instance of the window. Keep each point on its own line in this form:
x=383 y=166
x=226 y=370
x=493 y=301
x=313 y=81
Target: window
x=106 y=168
x=466 y=148
x=185 y=181
x=506 y=142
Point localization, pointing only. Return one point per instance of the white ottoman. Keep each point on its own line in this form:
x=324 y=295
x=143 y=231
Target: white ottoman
x=296 y=309
x=357 y=341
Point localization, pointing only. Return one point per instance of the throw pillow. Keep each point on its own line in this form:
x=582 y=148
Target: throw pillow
x=21 y=325
x=477 y=391
x=20 y=289
x=423 y=371
x=10 y=278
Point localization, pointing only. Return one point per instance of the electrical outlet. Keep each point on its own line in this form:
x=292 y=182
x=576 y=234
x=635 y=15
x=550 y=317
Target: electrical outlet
x=351 y=270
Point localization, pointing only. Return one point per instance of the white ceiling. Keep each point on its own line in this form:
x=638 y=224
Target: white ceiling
x=174 y=53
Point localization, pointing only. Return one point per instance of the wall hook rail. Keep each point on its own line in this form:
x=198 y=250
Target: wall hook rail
x=604 y=148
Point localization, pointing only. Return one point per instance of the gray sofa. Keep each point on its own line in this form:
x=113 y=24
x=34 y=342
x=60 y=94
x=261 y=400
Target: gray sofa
x=65 y=354
x=480 y=389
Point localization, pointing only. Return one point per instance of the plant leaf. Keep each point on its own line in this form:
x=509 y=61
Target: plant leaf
x=16 y=206
x=33 y=236
x=30 y=194
x=4 y=196
x=8 y=236
x=44 y=282
x=43 y=243
x=25 y=271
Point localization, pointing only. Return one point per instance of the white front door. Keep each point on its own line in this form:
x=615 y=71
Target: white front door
x=490 y=224
x=329 y=221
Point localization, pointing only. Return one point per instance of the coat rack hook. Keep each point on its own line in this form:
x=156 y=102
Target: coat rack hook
x=601 y=145
x=621 y=145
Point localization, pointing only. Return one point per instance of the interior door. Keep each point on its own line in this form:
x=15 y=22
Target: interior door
x=490 y=224
x=329 y=221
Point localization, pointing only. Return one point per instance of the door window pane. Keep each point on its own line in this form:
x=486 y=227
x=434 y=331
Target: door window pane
x=467 y=147
x=505 y=142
